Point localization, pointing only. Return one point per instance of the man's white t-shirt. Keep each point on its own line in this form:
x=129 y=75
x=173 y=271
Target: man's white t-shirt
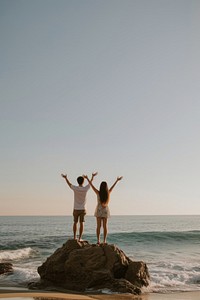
x=80 y=196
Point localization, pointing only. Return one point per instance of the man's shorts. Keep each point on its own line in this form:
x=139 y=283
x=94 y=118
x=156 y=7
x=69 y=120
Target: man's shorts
x=79 y=214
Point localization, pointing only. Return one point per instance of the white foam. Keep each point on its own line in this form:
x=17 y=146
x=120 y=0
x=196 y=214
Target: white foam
x=10 y=255
x=19 y=276
x=174 y=276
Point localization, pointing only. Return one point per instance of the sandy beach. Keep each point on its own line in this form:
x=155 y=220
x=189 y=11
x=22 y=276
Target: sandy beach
x=23 y=294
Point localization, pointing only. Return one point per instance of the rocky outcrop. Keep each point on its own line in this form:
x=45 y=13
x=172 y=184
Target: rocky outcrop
x=6 y=268
x=80 y=266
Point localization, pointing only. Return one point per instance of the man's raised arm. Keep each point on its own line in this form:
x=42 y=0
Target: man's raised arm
x=65 y=176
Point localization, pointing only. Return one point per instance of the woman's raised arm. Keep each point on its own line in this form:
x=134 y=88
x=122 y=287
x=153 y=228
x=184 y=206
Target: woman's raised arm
x=118 y=178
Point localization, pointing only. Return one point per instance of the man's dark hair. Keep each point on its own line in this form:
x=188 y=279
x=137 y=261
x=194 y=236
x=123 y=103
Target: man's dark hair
x=80 y=180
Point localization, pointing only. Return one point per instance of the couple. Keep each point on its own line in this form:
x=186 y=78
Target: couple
x=102 y=210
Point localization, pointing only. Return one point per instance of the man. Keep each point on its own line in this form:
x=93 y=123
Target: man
x=79 y=211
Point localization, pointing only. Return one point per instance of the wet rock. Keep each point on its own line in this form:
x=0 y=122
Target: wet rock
x=6 y=268
x=79 y=266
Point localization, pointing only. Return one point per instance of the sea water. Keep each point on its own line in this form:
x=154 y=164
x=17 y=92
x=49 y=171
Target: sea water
x=170 y=246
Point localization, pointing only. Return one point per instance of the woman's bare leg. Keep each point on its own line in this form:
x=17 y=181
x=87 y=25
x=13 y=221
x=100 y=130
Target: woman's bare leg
x=98 y=229
x=105 y=229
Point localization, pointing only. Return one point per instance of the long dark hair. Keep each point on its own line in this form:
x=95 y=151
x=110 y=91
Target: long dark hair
x=104 y=193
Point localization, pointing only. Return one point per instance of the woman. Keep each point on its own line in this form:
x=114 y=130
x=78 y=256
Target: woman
x=102 y=212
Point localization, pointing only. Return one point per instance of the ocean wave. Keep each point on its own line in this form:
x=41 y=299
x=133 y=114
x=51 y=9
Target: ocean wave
x=19 y=254
x=175 y=275
x=47 y=242
x=52 y=242
x=172 y=282
x=157 y=236
x=20 y=277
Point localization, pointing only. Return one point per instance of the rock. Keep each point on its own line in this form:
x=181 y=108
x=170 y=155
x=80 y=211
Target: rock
x=79 y=266
x=6 y=268
x=124 y=286
x=136 y=273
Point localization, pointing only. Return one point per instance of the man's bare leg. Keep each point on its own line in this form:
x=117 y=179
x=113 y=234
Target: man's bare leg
x=75 y=229
x=81 y=230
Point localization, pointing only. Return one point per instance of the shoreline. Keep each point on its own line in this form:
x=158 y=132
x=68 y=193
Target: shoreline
x=26 y=294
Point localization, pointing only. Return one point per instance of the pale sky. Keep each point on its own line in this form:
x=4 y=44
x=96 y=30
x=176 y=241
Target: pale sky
x=109 y=86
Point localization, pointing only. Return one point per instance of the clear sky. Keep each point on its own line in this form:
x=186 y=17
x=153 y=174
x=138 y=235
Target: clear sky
x=109 y=86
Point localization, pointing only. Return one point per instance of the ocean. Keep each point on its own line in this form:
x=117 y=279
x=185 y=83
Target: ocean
x=170 y=245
